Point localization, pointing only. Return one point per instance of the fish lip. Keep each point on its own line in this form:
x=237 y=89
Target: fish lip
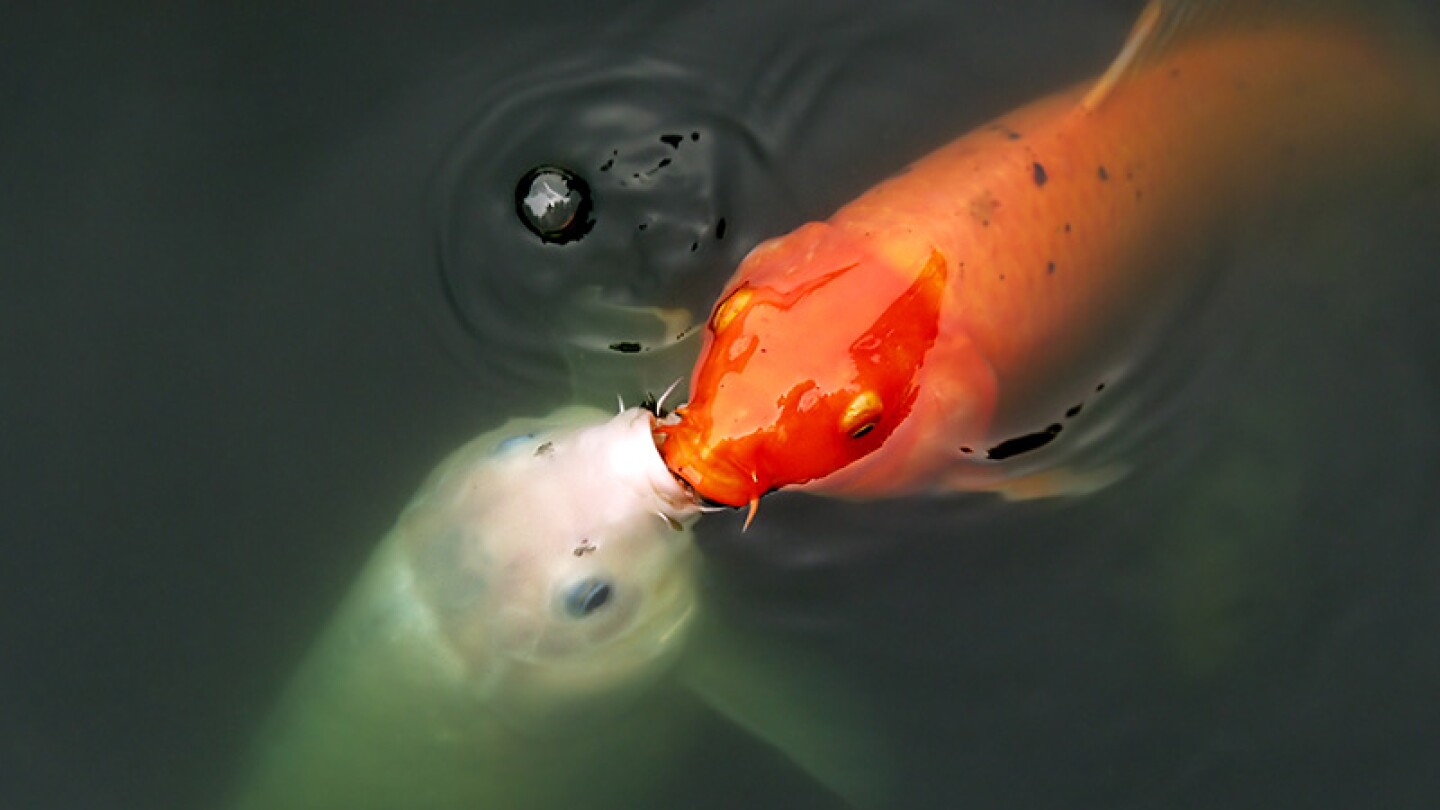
x=713 y=479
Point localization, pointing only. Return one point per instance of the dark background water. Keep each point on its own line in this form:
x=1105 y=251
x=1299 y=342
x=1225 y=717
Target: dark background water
x=229 y=358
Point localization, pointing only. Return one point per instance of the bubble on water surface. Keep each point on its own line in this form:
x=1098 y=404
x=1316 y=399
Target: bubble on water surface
x=654 y=180
x=554 y=203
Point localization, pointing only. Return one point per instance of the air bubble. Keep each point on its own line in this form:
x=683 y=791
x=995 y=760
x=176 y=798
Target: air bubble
x=554 y=203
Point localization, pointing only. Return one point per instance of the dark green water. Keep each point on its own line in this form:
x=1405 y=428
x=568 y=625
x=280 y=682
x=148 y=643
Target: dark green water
x=260 y=270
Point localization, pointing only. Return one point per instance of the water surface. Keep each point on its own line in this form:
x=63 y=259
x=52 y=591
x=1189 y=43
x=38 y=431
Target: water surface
x=261 y=269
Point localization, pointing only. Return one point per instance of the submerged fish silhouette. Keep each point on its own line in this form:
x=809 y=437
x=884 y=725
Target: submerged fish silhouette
x=529 y=635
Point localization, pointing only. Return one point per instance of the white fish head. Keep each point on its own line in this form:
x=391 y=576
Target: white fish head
x=556 y=558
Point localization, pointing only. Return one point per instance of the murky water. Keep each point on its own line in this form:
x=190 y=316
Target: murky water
x=263 y=268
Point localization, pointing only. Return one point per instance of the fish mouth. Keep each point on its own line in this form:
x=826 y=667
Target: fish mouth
x=711 y=476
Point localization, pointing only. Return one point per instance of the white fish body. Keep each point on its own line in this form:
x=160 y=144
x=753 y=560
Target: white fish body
x=516 y=641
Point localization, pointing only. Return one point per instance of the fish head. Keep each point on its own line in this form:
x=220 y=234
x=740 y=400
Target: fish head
x=810 y=362
x=556 y=558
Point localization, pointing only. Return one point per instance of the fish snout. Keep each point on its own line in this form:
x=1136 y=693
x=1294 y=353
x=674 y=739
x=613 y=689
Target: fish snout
x=709 y=471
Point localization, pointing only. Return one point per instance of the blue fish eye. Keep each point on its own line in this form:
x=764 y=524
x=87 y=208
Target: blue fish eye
x=586 y=596
x=513 y=441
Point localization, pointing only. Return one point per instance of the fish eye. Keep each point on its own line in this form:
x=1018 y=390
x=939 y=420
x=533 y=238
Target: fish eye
x=727 y=310
x=861 y=415
x=586 y=596
x=513 y=441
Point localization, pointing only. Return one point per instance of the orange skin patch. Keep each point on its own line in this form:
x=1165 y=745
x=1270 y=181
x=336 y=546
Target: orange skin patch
x=991 y=286
x=760 y=426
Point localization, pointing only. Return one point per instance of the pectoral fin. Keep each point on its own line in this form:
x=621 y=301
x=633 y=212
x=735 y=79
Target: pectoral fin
x=1056 y=482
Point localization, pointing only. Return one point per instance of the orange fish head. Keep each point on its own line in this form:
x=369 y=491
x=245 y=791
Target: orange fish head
x=810 y=362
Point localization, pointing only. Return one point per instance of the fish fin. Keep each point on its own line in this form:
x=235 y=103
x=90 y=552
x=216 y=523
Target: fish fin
x=796 y=705
x=1165 y=24
x=1062 y=482
x=1056 y=482
x=1144 y=37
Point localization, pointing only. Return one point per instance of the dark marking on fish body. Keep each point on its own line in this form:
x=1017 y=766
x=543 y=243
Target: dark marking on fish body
x=626 y=347
x=1104 y=175
x=545 y=449
x=1040 y=176
x=1067 y=227
x=673 y=141
x=966 y=450
x=1023 y=444
x=1074 y=410
x=1009 y=133
x=1050 y=267
x=720 y=229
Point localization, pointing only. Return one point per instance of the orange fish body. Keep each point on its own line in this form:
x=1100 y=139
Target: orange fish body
x=974 y=297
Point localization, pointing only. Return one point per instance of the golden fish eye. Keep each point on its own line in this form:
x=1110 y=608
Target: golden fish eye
x=861 y=414
x=727 y=310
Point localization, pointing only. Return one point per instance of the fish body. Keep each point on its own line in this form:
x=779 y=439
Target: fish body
x=950 y=316
x=530 y=635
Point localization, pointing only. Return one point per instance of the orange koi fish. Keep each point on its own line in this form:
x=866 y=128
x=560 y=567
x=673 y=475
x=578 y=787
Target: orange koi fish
x=948 y=317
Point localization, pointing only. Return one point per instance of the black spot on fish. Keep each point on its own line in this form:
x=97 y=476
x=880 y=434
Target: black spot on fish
x=626 y=347
x=1050 y=267
x=1104 y=175
x=966 y=450
x=1073 y=411
x=694 y=136
x=545 y=449
x=1009 y=133
x=605 y=167
x=673 y=141
x=694 y=246
x=1099 y=388
x=1040 y=176
x=1067 y=227
x=1023 y=444
x=720 y=229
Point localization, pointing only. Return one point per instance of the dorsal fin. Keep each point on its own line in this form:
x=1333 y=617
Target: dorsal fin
x=1165 y=23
